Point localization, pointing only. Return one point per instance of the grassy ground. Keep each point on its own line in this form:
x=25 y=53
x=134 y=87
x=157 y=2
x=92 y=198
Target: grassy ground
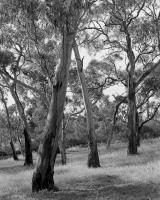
x=120 y=177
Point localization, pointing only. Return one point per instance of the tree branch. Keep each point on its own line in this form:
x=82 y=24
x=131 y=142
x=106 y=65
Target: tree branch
x=150 y=118
x=146 y=73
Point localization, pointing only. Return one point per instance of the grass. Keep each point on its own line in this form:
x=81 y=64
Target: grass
x=120 y=177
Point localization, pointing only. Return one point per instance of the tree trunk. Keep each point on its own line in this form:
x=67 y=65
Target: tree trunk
x=28 y=146
x=138 y=129
x=147 y=108
x=28 y=150
x=13 y=151
x=132 y=125
x=20 y=145
x=62 y=143
x=43 y=175
x=20 y=109
x=93 y=158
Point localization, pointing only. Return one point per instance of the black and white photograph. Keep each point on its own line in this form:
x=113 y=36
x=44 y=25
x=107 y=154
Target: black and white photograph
x=79 y=99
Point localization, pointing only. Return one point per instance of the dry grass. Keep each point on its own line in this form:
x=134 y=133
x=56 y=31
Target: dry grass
x=121 y=177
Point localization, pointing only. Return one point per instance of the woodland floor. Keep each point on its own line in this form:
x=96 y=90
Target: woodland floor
x=120 y=177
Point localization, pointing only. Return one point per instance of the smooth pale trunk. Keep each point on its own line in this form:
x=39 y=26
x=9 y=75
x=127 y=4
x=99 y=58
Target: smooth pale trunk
x=138 y=129
x=20 y=145
x=62 y=144
x=93 y=157
x=43 y=174
x=147 y=108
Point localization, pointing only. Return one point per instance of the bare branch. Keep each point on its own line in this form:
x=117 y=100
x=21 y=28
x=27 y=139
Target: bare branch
x=146 y=73
x=150 y=118
x=140 y=9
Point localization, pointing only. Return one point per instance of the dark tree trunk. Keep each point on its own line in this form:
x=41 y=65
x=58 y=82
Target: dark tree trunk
x=132 y=125
x=138 y=130
x=138 y=138
x=15 y=157
x=28 y=148
x=43 y=175
x=44 y=179
x=93 y=157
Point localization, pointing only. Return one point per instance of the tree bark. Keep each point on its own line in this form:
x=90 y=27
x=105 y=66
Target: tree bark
x=147 y=108
x=28 y=149
x=62 y=144
x=93 y=157
x=138 y=129
x=132 y=125
x=13 y=150
x=43 y=174
x=20 y=145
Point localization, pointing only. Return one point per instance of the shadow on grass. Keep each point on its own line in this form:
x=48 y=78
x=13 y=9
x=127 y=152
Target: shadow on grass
x=15 y=169
x=95 y=187
x=101 y=188
x=142 y=158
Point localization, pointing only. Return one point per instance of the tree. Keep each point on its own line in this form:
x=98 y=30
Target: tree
x=3 y=99
x=66 y=17
x=93 y=158
x=62 y=141
x=9 y=60
x=130 y=40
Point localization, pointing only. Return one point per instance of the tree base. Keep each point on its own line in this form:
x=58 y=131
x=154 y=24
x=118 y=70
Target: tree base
x=132 y=147
x=28 y=162
x=15 y=158
x=93 y=159
x=47 y=183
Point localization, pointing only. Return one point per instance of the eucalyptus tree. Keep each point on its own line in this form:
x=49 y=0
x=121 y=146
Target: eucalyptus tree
x=4 y=101
x=93 y=84
x=8 y=60
x=128 y=35
x=20 y=71
x=93 y=158
x=66 y=17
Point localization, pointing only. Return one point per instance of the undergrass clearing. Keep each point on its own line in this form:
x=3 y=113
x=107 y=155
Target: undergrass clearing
x=120 y=177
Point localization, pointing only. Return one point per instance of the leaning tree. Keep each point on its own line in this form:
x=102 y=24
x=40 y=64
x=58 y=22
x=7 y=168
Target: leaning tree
x=66 y=17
